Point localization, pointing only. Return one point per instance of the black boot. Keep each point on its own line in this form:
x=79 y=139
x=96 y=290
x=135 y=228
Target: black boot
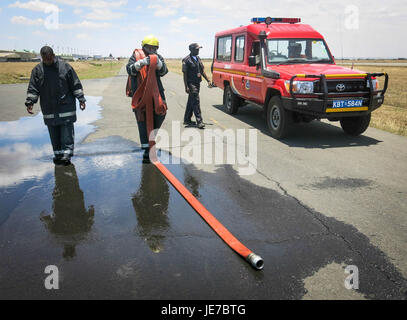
x=58 y=161
x=189 y=123
x=66 y=159
x=146 y=156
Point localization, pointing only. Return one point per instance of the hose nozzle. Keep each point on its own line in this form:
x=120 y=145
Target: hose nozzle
x=255 y=260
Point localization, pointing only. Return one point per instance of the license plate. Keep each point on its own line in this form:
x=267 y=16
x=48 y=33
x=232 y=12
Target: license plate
x=347 y=103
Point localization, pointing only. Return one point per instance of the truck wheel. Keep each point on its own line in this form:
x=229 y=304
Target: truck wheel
x=355 y=126
x=231 y=101
x=278 y=119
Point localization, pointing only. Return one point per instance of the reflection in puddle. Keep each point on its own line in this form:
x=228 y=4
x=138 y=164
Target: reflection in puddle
x=151 y=206
x=70 y=220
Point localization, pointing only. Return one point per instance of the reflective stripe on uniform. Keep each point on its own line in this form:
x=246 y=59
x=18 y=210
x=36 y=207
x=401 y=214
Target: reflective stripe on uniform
x=145 y=145
x=67 y=114
x=32 y=96
x=58 y=152
x=61 y=115
x=78 y=92
x=68 y=152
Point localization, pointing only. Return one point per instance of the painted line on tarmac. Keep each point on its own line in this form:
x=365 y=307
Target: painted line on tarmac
x=217 y=123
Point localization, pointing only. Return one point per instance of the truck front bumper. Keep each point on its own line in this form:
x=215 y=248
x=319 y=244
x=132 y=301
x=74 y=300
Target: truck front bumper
x=324 y=108
x=320 y=105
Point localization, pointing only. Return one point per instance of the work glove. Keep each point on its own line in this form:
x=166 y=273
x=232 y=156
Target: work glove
x=141 y=63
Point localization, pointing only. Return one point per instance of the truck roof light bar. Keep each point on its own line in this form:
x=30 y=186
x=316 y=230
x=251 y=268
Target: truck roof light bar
x=270 y=20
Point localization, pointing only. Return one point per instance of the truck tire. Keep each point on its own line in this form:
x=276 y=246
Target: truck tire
x=231 y=101
x=278 y=119
x=355 y=126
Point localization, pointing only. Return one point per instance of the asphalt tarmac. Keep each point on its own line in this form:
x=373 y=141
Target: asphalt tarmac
x=315 y=204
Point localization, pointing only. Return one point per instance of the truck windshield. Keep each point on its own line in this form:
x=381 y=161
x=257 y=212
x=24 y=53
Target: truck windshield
x=289 y=51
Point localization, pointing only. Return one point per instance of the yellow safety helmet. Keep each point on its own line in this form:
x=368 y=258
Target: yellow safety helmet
x=150 y=40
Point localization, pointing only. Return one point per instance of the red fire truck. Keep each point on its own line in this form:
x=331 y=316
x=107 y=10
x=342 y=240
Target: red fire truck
x=287 y=68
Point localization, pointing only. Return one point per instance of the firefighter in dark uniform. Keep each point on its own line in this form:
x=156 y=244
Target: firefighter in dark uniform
x=57 y=85
x=193 y=70
x=135 y=67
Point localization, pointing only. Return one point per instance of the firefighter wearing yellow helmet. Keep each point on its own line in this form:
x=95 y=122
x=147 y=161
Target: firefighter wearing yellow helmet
x=137 y=70
x=150 y=40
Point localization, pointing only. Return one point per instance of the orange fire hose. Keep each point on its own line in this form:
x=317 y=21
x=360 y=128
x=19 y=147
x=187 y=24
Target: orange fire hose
x=147 y=96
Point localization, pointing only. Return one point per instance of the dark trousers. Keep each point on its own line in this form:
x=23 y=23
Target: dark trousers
x=142 y=129
x=62 y=139
x=193 y=105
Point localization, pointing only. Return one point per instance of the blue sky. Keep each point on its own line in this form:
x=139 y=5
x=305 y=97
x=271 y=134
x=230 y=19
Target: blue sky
x=352 y=28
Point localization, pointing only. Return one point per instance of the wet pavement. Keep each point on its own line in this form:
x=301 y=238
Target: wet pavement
x=115 y=228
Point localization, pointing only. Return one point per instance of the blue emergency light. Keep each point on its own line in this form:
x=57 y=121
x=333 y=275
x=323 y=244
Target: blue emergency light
x=270 y=20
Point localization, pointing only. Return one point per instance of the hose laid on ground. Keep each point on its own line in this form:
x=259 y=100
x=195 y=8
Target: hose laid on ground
x=145 y=98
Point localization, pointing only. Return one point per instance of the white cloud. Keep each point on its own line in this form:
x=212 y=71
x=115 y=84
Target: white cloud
x=103 y=14
x=86 y=24
x=26 y=21
x=35 y=5
x=182 y=24
x=162 y=11
x=93 y=4
x=82 y=36
x=39 y=33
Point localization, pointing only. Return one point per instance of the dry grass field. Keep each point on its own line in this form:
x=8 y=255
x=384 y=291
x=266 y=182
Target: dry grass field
x=18 y=72
x=392 y=116
x=340 y=61
x=175 y=65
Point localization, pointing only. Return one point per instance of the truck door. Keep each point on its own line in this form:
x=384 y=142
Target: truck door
x=254 y=79
x=238 y=81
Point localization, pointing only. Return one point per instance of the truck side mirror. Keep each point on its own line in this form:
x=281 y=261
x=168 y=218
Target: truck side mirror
x=252 y=61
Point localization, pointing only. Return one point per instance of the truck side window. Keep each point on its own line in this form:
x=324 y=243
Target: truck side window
x=224 y=50
x=239 y=48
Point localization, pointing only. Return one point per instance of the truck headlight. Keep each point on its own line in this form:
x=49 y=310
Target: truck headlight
x=301 y=87
x=375 y=83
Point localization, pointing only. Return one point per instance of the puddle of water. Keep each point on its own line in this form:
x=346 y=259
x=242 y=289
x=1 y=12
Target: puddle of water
x=26 y=153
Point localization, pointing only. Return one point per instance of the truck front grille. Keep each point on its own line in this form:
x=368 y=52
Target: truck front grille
x=339 y=86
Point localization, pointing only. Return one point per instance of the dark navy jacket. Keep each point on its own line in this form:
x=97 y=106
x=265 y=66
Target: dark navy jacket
x=57 y=92
x=192 y=68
